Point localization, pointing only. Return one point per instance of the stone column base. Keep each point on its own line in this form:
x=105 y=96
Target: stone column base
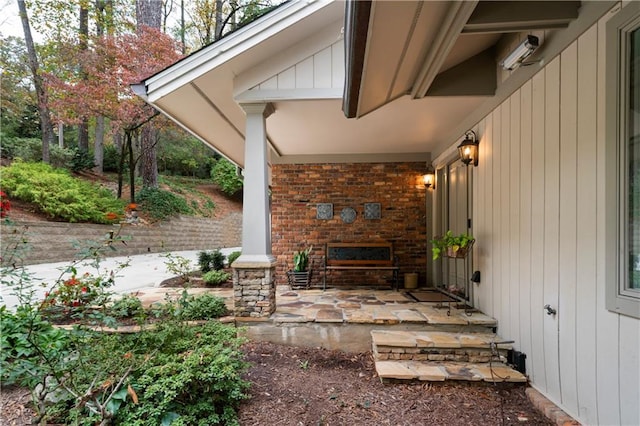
x=254 y=290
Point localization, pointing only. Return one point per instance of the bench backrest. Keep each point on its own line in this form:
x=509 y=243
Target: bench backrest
x=359 y=254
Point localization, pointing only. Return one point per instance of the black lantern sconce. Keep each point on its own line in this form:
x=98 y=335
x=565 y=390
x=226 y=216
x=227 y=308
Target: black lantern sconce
x=468 y=148
x=430 y=178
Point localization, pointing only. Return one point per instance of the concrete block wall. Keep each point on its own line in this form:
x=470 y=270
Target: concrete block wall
x=298 y=188
x=54 y=241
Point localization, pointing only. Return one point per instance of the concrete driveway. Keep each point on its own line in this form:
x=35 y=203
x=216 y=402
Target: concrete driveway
x=143 y=271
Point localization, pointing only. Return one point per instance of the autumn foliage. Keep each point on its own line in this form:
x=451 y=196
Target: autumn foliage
x=108 y=69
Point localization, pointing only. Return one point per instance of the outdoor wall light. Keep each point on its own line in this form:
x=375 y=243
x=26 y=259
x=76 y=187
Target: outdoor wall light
x=520 y=53
x=468 y=148
x=430 y=178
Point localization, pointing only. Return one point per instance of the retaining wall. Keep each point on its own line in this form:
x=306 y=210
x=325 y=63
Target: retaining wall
x=54 y=241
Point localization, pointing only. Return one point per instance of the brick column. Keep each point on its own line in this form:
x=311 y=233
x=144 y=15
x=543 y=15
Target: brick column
x=254 y=290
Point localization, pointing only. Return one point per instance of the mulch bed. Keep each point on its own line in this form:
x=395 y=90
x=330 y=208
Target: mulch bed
x=307 y=386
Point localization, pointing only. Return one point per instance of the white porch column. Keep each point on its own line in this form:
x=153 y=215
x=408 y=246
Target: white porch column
x=254 y=270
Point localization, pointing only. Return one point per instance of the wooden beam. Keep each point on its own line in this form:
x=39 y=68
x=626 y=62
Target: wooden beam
x=474 y=77
x=516 y=16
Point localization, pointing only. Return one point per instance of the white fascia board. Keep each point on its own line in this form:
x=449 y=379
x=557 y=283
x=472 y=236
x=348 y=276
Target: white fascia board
x=251 y=96
x=224 y=50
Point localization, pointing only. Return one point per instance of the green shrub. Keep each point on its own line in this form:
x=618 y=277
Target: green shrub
x=161 y=204
x=25 y=337
x=210 y=260
x=111 y=159
x=194 y=378
x=81 y=161
x=204 y=261
x=128 y=306
x=57 y=194
x=224 y=175
x=30 y=150
x=232 y=257
x=202 y=307
x=215 y=277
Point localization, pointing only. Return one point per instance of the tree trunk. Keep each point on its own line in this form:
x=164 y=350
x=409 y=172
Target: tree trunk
x=98 y=145
x=104 y=11
x=132 y=170
x=121 y=147
x=83 y=36
x=218 y=33
x=149 y=13
x=41 y=92
x=148 y=158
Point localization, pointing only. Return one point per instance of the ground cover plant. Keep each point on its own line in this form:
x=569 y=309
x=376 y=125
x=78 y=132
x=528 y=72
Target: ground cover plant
x=171 y=373
x=57 y=194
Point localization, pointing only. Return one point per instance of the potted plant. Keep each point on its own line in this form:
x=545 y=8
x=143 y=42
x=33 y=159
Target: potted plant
x=300 y=275
x=451 y=245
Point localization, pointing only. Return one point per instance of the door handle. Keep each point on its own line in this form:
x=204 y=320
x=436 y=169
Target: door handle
x=550 y=310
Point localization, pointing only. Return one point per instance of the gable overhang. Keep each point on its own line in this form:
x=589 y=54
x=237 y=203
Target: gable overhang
x=199 y=92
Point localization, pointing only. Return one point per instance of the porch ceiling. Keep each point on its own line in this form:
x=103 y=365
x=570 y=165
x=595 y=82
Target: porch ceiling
x=412 y=50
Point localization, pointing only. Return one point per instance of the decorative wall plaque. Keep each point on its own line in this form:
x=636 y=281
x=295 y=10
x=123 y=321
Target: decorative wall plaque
x=324 y=211
x=372 y=211
x=348 y=215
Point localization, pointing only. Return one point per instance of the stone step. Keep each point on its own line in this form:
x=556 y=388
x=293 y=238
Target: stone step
x=438 y=346
x=392 y=371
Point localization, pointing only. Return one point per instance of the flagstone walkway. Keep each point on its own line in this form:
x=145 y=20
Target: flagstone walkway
x=353 y=306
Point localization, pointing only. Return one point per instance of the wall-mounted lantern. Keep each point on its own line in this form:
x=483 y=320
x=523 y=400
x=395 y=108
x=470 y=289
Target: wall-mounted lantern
x=429 y=178
x=468 y=148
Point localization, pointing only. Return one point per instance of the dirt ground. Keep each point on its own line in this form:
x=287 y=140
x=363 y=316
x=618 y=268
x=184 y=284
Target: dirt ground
x=301 y=386
x=306 y=386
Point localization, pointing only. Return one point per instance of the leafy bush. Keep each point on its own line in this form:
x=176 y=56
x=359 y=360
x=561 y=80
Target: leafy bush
x=25 y=337
x=127 y=306
x=56 y=193
x=81 y=161
x=202 y=307
x=232 y=257
x=215 y=277
x=224 y=175
x=161 y=204
x=111 y=159
x=30 y=150
x=194 y=378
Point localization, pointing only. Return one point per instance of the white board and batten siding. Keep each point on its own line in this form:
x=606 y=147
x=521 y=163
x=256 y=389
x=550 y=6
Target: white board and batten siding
x=539 y=222
x=319 y=75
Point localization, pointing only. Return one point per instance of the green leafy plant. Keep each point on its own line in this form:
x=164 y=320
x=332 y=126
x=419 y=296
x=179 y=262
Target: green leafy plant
x=215 y=277
x=301 y=260
x=170 y=374
x=128 y=306
x=224 y=175
x=450 y=241
x=160 y=204
x=178 y=265
x=57 y=194
x=232 y=257
x=193 y=377
x=202 y=307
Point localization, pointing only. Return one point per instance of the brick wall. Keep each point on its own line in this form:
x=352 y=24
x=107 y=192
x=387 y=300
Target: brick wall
x=53 y=241
x=298 y=188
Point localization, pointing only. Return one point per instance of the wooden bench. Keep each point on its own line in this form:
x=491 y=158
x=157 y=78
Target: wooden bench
x=360 y=256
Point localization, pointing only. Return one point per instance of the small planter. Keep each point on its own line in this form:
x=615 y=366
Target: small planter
x=299 y=279
x=459 y=254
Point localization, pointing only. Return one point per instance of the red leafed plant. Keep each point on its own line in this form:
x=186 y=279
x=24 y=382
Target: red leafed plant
x=5 y=205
